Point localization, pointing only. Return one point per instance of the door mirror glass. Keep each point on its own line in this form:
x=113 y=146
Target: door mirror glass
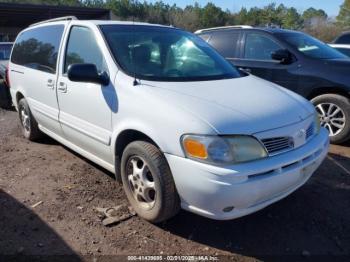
x=282 y=55
x=87 y=73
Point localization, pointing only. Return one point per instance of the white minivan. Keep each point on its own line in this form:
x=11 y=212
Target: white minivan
x=163 y=111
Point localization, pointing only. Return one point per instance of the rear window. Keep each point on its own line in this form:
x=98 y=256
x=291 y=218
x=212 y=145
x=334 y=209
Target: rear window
x=5 y=51
x=225 y=43
x=37 y=48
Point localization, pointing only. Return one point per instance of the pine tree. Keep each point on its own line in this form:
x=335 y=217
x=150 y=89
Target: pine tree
x=343 y=19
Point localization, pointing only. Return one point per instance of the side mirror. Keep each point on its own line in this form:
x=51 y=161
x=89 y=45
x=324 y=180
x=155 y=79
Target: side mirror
x=282 y=55
x=87 y=73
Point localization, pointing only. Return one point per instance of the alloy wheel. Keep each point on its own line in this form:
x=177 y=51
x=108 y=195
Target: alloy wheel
x=141 y=182
x=25 y=119
x=332 y=117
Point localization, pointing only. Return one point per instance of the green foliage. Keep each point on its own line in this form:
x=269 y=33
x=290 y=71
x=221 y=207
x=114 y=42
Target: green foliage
x=211 y=15
x=343 y=18
x=314 y=13
x=194 y=16
x=270 y=15
x=292 y=19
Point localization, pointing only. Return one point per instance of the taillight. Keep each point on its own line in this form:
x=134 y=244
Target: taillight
x=7 y=76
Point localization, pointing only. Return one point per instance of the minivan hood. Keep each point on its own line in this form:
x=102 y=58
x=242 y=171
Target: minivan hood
x=245 y=105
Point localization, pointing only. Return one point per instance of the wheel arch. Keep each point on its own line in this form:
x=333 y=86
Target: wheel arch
x=19 y=96
x=328 y=90
x=124 y=138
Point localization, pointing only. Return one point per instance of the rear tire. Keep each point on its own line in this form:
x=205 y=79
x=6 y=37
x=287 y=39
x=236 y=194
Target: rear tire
x=5 y=96
x=148 y=182
x=334 y=111
x=29 y=125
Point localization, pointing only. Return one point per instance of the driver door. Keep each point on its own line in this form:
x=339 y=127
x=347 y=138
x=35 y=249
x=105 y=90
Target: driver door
x=85 y=114
x=256 y=59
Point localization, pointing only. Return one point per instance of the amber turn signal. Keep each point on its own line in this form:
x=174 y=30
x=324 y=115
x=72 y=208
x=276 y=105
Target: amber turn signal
x=195 y=149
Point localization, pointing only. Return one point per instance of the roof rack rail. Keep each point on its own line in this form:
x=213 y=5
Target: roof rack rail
x=64 y=18
x=224 y=27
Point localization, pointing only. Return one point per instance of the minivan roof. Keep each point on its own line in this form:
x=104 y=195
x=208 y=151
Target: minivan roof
x=96 y=22
x=107 y=22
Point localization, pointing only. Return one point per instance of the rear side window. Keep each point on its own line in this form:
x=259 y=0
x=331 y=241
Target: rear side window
x=80 y=53
x=37 y=48
x=225 y=43
x=344 y=39
x=205 y=37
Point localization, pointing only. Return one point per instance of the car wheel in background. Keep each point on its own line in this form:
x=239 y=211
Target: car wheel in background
x=5 y=96
x=334 y=111
x=29 y=125
x=148 y=182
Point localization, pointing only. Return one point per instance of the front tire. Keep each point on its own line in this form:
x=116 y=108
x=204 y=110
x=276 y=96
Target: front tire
x=334 y=111
x=148 y=182
x=29 y=125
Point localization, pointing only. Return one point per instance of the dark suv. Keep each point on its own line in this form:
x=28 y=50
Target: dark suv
x=296 y=61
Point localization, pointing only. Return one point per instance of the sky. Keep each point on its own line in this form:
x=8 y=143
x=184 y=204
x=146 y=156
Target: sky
x=330 y=6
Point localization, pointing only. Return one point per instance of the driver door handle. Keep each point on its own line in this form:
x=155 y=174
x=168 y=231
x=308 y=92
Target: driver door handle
x=62 y=87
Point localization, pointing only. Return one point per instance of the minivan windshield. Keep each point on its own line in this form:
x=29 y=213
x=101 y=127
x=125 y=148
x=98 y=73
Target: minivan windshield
x=311 y=47
x=165 y=54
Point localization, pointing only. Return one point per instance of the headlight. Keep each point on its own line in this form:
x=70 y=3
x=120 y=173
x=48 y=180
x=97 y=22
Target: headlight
x=223 y=150
x=317 y=123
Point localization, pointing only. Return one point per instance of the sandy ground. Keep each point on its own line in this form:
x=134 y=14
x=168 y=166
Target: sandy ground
x=311 y=222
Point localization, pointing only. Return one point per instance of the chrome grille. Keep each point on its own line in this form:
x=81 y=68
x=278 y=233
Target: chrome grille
x=277 y=144
x=310 y=131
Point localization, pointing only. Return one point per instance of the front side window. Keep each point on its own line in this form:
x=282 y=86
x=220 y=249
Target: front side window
x=259 y=47
x=82 y=48
x=5 y=51
x=311 y=47
x=165 y=54
x=37 y=48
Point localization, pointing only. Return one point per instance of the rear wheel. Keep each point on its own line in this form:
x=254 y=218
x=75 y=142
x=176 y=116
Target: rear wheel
x=29 y=125
x=148 y=182
x=334 y=111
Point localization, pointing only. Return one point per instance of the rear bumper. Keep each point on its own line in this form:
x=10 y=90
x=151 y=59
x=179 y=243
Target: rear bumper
x=207 y=190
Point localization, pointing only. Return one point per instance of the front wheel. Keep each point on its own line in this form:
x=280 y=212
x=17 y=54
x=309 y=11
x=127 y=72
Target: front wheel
x=334 y=112
x=148 y=182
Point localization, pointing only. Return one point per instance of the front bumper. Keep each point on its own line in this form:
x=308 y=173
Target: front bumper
x=248 y=187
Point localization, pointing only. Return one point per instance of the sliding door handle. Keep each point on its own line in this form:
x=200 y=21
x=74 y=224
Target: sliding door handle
x=50 y=83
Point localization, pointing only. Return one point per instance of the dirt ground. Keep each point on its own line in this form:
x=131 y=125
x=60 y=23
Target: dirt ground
x=312 y=223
